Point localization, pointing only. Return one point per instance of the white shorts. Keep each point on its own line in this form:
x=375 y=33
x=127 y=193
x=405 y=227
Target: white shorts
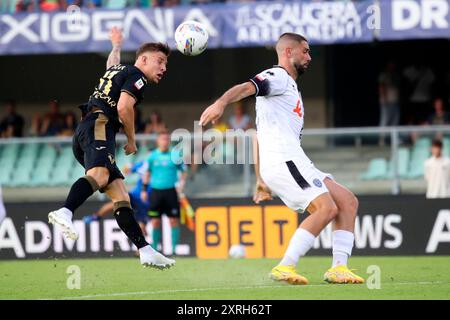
x=297 y=182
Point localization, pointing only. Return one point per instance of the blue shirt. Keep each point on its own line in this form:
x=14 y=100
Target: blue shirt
x=164 y=168
x=140 y=168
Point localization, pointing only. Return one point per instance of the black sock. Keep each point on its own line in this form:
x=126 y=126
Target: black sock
x=81 y=190
x=126 y=221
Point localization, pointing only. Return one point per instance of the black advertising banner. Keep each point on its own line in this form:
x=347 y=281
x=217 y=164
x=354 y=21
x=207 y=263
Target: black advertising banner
x=386 y=225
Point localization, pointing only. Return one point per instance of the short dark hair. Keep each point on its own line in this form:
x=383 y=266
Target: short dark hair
x=153 y=47
x=437 y=143
x=293 y=36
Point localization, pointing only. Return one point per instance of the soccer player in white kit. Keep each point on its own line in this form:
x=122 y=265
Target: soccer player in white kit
x=286 y=170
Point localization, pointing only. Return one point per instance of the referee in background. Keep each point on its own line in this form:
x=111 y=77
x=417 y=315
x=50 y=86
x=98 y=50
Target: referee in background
x=166 y=175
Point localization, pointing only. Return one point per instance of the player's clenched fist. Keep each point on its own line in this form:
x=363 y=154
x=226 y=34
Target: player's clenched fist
x=130 y=148
x=212 y=113
x=115 y=35
x=262 y=192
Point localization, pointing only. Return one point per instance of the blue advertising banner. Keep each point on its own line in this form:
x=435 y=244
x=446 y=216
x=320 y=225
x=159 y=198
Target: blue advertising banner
x=87 y=30
x=324 y=22
x=414 y=19
x=229 y=25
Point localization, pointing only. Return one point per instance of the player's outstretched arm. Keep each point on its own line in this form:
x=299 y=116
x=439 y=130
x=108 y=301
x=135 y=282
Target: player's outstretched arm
x=125 y=109
x=236 y=93
x=262 y=191
x=115 y=35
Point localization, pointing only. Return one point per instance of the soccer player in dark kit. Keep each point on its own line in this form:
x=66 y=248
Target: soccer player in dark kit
x=109 y=108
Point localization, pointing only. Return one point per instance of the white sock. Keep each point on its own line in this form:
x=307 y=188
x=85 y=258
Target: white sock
x=147 y=249
x=342 y=247
x=300 y=243
x=66 y=212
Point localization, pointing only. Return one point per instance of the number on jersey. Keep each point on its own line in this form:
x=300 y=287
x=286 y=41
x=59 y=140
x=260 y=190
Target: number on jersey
x=298 y=110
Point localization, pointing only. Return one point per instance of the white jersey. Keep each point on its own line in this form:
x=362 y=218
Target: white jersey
x=284 y=167
x=437 y=175
x=279 y=116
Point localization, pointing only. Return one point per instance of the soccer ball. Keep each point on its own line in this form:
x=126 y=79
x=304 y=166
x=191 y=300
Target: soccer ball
x=191 y=38
x=237 y=251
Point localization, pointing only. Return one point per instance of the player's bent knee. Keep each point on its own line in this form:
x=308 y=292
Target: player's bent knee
x=351 y=206
x=100 y=175
x=354 y=205
x=120 y=197
x=329 y=211
x=332 y=212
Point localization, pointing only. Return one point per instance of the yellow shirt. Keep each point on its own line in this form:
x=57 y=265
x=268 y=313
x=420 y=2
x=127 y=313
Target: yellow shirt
x=222 y=127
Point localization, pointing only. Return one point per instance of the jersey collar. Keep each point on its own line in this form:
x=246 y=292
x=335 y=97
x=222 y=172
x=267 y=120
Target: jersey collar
x=278 y=66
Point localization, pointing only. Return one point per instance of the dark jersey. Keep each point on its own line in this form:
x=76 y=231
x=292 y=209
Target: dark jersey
x=116 y=79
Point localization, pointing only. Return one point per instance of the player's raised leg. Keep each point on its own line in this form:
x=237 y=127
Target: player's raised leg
x=124 y=215
x=322 y=211
x=80 y=191
x=343 y=234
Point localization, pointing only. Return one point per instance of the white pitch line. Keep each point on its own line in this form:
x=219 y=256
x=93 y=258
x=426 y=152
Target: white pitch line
x=124 y=294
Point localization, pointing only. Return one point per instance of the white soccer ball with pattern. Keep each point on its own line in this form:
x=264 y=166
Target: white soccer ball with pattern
x=237 y=251
x=191 y=38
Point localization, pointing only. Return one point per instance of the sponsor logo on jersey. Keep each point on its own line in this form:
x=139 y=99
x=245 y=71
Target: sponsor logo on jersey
x=317 y=183
x=111 y=158
x=139 y=84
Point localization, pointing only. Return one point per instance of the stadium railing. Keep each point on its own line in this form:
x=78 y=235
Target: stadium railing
x=368 y=160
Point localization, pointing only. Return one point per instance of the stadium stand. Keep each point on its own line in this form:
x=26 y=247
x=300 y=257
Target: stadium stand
x=377 y=169
x=410 y=162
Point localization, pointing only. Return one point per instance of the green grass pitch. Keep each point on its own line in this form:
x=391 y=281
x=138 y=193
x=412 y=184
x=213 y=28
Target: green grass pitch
x=190 y=279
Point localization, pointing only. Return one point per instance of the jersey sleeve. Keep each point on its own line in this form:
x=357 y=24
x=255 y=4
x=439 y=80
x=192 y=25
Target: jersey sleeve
x=271 y=82
x=135 y=85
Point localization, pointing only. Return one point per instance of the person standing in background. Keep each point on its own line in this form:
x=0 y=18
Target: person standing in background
x=12 y=124
x=155 y=123
x=437 y=173
x=240 y=119
x=440 y=116
x=420 y=80
x=388 y=84
x=166 y=174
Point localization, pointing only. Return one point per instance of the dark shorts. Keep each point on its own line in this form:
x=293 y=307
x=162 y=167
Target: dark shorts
x=164 y=202
x=94 y=144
